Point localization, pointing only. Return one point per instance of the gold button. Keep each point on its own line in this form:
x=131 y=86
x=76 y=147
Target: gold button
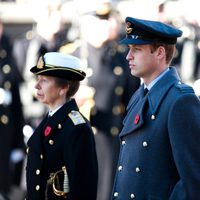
x=7 y=85
x=119 y=90
x=116 y=194
x=137 y=169
x=114 y=131
x=6 y=69
x=51 y=142
x=41 y=156
x=118 y=70
x=132 y=196
x=116 y=110
x=123 y=142
x=37 y=187
x=59 y=126
x=144 y=144
x=120 y=168
x=3 y=53
x=37 y=171
x=4 y=119
x=153 y=117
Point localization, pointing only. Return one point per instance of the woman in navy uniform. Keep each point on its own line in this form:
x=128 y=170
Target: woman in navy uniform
x=160 y=152
x=61 y=159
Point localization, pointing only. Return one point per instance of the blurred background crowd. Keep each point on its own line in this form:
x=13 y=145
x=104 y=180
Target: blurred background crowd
x=90 y=30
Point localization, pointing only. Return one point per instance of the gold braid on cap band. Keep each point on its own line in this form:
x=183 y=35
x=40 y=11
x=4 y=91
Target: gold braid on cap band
x=54 y=181
x=53 y=67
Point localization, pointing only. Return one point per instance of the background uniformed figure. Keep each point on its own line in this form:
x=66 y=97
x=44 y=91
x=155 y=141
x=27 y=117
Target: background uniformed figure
x=11 y=117
x=112 y=85
x=65 y=139
x=160 y=152
x=48 y=33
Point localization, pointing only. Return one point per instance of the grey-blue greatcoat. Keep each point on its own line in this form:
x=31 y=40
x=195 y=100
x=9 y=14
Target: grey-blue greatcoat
x=160 y=152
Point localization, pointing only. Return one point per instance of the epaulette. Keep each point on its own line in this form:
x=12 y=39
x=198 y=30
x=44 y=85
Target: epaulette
x=76 y=117
x=184 y=88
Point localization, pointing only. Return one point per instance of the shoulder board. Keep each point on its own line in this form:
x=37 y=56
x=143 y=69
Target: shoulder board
x=184 y=88
x=76 y=117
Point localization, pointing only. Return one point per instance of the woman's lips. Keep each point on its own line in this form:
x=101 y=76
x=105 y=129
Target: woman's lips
x=39 y=95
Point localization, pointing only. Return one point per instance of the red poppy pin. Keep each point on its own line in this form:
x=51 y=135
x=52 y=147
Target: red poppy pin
x=137 y=119
x=47 y=131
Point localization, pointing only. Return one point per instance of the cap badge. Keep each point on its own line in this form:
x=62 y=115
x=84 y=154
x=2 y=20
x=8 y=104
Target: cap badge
x=40 y=64
x=128 y=28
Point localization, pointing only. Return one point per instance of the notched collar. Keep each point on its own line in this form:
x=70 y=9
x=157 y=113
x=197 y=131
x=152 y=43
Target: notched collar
x=61 y=115
x=158 y=92
x=154 y=98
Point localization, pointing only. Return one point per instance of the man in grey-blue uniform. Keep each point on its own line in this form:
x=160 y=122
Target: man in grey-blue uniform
x=160 y=152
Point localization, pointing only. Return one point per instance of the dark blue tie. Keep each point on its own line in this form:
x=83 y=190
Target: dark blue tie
x=145 y=91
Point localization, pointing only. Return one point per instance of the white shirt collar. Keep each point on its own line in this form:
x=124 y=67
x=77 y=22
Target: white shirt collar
x=156 y=79
x=51 y=112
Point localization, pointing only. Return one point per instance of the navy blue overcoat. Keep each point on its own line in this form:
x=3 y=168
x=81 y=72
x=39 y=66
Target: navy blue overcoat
x=160 y=144
x=65 y=140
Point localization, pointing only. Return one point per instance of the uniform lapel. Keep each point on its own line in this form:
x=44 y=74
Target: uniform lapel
x=36 y=137
x=137 y=105
x=160 y=90
x=59 y=117
x=135 y=115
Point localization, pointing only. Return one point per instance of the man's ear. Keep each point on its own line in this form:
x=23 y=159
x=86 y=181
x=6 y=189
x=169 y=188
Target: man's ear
x=161 y=51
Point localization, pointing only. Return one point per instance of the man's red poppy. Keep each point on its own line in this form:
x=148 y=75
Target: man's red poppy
x=137 y=119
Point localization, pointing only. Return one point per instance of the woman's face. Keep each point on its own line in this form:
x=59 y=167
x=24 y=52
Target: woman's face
x=48 y=92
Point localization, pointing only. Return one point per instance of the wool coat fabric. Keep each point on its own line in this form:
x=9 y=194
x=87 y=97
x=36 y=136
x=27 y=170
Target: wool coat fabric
x=160 y=152
x=68 y=142
x=114 y=86
x=11 y=117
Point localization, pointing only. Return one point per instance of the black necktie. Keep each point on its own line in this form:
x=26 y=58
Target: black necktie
x=146 y=91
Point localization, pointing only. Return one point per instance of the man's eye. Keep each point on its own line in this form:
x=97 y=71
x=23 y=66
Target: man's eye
x=137 y=49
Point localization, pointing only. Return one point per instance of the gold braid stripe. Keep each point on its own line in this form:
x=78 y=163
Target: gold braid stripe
x=60 y=68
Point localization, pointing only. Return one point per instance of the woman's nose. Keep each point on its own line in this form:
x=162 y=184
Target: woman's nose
x=37 y=85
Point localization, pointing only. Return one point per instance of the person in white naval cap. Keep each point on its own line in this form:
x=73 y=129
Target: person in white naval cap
x=61 y=154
